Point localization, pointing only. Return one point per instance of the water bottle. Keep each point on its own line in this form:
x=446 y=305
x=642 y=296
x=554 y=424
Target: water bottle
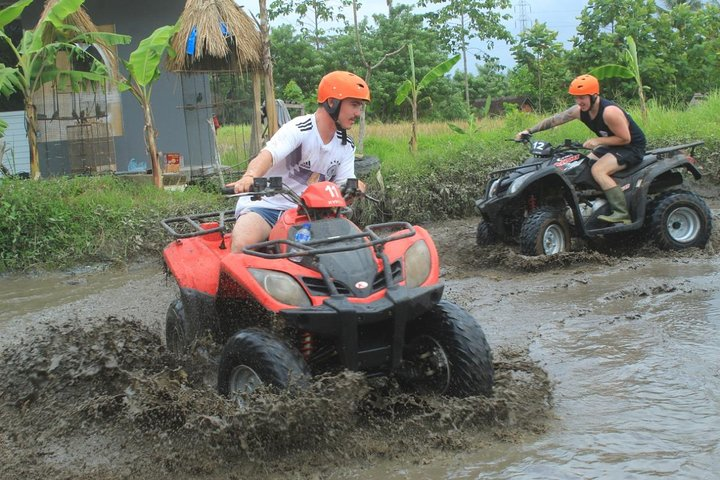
x=301 y=236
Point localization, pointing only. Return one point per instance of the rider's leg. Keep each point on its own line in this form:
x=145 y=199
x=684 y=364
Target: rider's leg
x=249 y=228
x=601 y=172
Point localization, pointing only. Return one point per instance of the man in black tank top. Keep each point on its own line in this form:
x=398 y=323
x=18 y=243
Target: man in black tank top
x=619 y=143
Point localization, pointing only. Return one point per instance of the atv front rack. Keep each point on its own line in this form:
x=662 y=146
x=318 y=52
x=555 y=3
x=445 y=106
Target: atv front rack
x=272 y=249
x=188 y=226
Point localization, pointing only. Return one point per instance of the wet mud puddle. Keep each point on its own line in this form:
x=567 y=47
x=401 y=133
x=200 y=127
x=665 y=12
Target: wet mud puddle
x=88 y=394
x=603 y=371
x=633 y=352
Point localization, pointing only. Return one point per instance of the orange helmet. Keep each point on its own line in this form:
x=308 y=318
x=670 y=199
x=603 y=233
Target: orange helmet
x=584 y=85
x=342 y=85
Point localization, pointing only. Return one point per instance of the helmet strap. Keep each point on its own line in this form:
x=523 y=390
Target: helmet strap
x=593 y=99
x=334 y=111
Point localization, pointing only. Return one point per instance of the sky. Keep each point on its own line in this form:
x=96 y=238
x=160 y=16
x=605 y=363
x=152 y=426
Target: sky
x=558 y=15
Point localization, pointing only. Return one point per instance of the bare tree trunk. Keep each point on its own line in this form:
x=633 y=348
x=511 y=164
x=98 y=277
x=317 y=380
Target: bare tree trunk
x=32 y=139
x=152 y=146
x=267 y=68
x=413 y=135
x=360 y=142
x=464 y=55
x=256 y=134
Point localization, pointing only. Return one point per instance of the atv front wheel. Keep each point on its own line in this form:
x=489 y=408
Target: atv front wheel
x=177 y=330
x=446 y=353
x=678 y=220
x=545 y=232
x=485 y=234
x=253 y=357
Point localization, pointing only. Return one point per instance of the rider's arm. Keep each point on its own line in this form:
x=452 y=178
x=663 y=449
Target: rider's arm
x=572 y=113
x=620 y=127
x=257 y=167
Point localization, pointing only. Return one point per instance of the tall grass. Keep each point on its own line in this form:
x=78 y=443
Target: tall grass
x=64 y=221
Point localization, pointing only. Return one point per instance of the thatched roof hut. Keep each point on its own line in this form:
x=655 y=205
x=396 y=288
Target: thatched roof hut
x=216 y=35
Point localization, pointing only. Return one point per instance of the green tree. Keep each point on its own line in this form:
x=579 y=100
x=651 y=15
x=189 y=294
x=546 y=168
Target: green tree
x=538 y=50
x=460 y=21
x=382 y=34
x=36 y=60
x=410 y=89
x=143 y=68
x=311 y=14
x=670 y=4
x=630 y=70
x=296 y=59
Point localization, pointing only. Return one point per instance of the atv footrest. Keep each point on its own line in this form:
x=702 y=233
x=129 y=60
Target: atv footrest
x=374 y=357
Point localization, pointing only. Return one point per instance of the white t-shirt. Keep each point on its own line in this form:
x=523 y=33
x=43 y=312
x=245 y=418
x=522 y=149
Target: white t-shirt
x=301 y=158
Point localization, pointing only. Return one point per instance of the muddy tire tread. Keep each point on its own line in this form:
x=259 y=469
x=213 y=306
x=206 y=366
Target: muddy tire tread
x=655 y=219
x=533 y=226
x=275 y=362
x=485 y=234
x=465 y=345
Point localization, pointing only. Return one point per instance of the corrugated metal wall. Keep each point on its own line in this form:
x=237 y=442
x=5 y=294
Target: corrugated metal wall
x=17 y=152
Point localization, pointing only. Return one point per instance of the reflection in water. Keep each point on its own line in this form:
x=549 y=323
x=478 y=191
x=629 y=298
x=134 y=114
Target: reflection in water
x=636 y=393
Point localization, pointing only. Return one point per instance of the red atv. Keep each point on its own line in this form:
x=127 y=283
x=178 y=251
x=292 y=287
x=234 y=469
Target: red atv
x=367 y=300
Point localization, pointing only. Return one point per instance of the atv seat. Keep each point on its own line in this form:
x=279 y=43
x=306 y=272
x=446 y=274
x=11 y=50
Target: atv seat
x=647 y=160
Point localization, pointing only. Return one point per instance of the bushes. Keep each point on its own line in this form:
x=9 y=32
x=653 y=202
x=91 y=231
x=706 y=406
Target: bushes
x=65 y=221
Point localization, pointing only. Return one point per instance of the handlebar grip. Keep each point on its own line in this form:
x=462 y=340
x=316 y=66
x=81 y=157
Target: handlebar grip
x=227 y=190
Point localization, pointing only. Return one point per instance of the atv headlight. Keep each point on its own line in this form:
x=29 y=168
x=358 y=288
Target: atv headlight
x=493 y=188
x=417 y=264
x=518 y=183
x=282 y=287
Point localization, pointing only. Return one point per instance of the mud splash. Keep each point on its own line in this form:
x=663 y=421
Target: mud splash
x=108 y=401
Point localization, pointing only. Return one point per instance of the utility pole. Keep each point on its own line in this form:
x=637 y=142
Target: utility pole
x=523 y=8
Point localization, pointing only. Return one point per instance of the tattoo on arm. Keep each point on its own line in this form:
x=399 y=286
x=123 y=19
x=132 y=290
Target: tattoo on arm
x=554 y=121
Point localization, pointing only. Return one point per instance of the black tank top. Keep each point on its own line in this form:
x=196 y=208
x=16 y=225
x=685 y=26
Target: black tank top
x=598 y=125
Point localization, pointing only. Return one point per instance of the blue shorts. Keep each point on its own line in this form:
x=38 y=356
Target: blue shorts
x=270 y=215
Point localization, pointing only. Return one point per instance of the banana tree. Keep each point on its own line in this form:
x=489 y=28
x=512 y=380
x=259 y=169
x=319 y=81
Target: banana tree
x=410 y=89
x=143 y=69
x=35 y=59
x=632 y=70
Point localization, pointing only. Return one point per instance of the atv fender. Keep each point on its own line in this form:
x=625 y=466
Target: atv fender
x=195 y=261
x=548 y=176
x=658 y=177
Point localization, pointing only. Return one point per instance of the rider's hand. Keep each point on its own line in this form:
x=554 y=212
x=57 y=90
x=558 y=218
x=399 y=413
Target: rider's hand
x=520 y=135
x=592 y=143
x=243 y=185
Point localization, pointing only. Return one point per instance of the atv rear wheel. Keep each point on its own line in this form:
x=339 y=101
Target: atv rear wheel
x=253 y=357
x=485 y=234
x=446 y=353
x=545 y=232
x=177 y=330
x=678 y=220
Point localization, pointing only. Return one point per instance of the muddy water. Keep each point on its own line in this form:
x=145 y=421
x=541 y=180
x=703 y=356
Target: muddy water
x=607 y=368
x=633 y=351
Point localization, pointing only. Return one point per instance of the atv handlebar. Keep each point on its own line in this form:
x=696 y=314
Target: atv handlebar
x=267 y=187
x=548 y=148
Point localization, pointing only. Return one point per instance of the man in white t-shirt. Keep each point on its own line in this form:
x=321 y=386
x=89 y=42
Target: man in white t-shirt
x=307 y=149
